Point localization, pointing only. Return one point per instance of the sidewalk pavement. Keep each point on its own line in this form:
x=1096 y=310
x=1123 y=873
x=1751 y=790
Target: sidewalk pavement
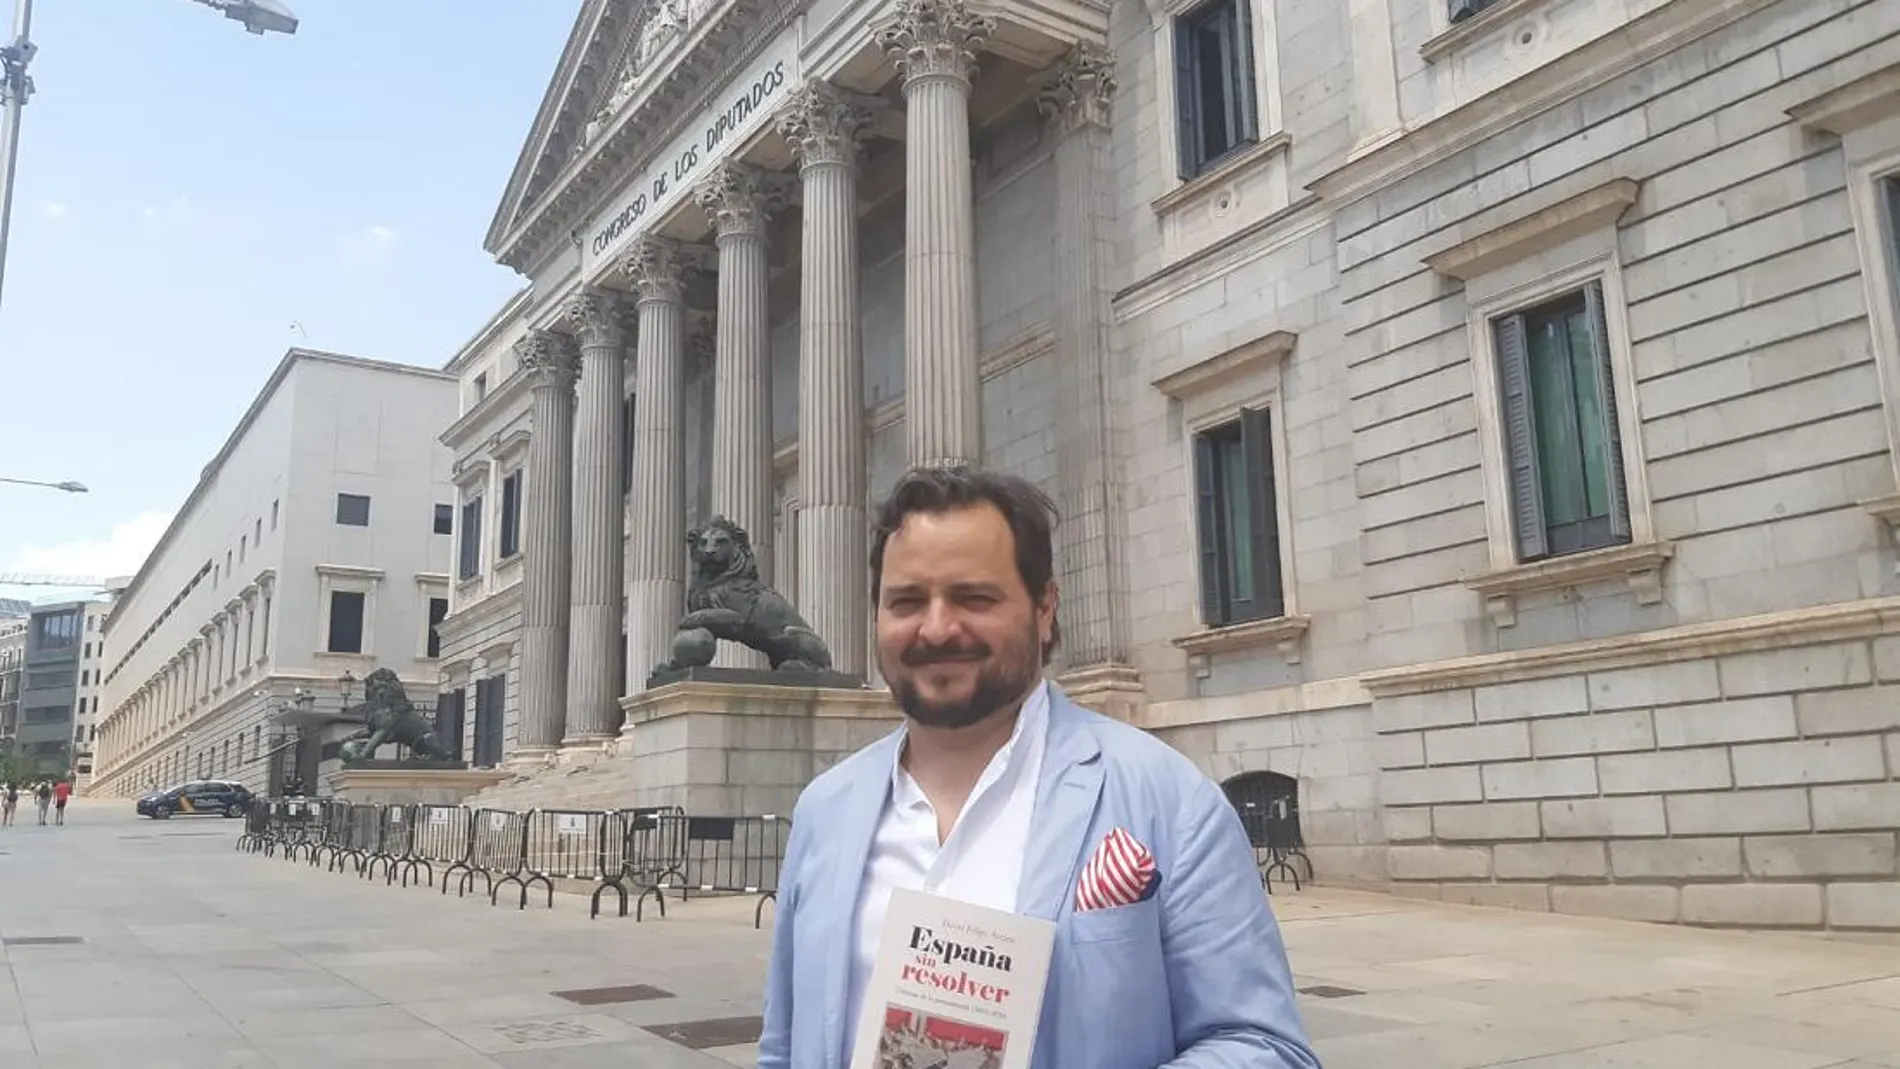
x=154 y=944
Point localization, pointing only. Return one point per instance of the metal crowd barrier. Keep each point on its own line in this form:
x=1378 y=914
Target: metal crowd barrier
x=1277 y=843
x=649 y=848
x=633 y=852
x=735 y=855
x=498 y=854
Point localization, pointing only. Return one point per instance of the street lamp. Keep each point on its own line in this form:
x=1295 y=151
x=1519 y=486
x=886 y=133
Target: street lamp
x=69 y=486
x=16 y=86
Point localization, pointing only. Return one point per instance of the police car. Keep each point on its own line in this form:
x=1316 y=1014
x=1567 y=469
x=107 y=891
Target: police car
x=197 y=798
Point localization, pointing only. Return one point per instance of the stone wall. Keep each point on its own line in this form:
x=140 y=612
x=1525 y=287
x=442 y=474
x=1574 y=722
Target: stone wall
x=1754 y=788
x=1331 y=754
x=476 y=645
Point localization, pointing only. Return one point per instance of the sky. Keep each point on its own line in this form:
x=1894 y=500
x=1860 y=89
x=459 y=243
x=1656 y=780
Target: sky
x=193 y=200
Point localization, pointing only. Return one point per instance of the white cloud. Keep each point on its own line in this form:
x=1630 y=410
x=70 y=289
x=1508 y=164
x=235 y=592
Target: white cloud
x=54 y=211
x=120 y=553
x=381 y=236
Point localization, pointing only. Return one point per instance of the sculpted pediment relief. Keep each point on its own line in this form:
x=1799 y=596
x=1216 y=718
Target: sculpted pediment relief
x=651 y=56
x=658 y=27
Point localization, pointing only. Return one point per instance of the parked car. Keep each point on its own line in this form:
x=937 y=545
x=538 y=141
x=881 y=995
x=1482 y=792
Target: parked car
x=199 y=798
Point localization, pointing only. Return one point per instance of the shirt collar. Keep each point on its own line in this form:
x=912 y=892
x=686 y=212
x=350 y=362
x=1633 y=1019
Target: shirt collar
x=1031 y=722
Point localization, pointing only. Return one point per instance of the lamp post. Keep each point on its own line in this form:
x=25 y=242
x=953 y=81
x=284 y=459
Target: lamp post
x=16 y=86
x=68 y=485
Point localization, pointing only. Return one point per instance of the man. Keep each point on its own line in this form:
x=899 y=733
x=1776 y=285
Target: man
x=996 y=790
x=61 y=792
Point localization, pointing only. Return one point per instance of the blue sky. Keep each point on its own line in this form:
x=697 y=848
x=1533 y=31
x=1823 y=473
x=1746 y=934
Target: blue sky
x=188 y=191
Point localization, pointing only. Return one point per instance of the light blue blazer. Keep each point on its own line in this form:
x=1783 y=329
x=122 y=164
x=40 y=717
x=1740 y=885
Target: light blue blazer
x=1195 y=976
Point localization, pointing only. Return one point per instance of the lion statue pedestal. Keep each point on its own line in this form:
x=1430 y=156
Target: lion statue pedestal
x=727 y=601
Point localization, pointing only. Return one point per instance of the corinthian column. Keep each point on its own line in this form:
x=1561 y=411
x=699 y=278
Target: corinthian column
x=656 y=589
x=934 y=45
x=823 y=126
x=595 y=318
x=546 y=587
x=737 y=200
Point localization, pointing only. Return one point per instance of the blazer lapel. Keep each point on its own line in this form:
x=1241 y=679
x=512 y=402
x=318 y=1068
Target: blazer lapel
x=1066 y=797
x=853 y=823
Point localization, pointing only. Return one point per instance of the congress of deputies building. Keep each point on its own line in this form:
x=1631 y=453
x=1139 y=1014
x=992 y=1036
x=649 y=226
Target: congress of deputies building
x=1474 y=422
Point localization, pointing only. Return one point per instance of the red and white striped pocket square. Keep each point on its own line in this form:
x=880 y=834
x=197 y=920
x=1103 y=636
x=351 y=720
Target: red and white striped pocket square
x=1122 y=872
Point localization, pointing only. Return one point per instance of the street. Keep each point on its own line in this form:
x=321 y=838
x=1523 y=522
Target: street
x=155 y=944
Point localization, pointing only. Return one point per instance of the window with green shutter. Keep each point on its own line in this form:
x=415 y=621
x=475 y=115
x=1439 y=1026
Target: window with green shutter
x=1238 y=522
x=1561 y=438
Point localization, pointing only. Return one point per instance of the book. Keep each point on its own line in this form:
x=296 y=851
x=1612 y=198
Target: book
x=954 y=986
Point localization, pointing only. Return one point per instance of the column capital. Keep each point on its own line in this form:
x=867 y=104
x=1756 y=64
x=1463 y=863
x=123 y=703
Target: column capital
x=549 y=357
x=823 y=124
x=656 y=267
x=935 y=39
x=738 y=198
x=597 y=318
x=1080 y=90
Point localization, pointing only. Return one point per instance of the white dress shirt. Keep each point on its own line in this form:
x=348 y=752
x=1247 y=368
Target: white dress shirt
x=981 y=862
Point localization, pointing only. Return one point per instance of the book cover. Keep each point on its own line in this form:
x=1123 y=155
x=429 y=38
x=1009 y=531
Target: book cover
x=955 y=986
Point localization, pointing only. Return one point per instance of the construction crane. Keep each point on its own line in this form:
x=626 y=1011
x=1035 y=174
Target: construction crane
x=36 y=579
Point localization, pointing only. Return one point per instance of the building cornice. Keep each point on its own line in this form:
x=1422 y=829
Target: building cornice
x=502 y=399
x=1844 y=621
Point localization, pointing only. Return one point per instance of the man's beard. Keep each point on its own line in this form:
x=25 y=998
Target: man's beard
x=1000 y=683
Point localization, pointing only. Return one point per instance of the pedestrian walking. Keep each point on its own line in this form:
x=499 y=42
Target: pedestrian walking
x=43 y=796
x=9 y=801
x=61 y=791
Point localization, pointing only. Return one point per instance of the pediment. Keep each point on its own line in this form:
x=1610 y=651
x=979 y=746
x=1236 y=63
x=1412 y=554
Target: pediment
x=590 y=64
x=618 y=52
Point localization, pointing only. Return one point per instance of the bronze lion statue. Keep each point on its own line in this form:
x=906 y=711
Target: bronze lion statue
x=726 y=600
x=389 y=716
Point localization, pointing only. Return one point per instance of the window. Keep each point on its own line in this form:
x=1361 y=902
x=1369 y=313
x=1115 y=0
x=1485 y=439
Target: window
x=438 y=609
x=1238 y=522
x=481 y=386
x=273 y=515
x=511 y=515
x=352 y=510
x=263 y=641
x=85 y=677
x=346 y=621
x=56 y=632
x=257 y=532
x=1563 y=451
x=1464 y=9
x=224 y=762
x=471 y=548
x=445 y=519
x=1214 y=83
x=87 y=651
x=241 y=541
x=227 y=562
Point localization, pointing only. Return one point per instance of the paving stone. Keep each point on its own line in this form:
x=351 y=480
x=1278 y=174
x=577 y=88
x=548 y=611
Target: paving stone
x=348 y=974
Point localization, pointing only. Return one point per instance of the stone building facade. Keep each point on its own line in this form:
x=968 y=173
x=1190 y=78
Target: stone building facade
x=308 y=555
x=1474 y=422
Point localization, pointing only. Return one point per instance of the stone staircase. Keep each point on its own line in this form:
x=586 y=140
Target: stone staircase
x=606 y=784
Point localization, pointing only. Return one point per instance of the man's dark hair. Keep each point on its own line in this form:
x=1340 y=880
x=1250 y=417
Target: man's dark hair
x=1028 y=511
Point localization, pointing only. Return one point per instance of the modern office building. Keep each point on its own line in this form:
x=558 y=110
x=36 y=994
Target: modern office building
x=309 y=554
x=1474 y=421
x=56 y=640
x=12 y=667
